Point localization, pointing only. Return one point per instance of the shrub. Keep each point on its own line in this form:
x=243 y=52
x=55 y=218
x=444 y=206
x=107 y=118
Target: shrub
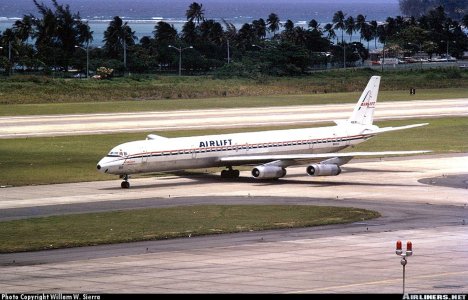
x=105 y=73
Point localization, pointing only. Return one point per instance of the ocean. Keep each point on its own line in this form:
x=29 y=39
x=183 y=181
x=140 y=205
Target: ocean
x=142 y=15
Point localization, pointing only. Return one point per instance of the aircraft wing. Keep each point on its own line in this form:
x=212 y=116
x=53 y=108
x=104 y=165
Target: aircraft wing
x=293 y=159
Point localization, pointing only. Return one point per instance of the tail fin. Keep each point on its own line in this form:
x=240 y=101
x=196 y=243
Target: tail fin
x=364 y=110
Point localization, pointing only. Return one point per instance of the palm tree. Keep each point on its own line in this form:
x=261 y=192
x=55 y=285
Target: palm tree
x=260 y=28
x=288 y=32
x=56 y=32
x=314 y=25
x=245 y=36
x=189 y=32
x=299 y=36
x=212 y=31
x=24 y=27
x=373 y=28
x=46 y=26
x=164 y=33
x=117 y=37
x=217 y=34
x=330 y=31
x=195 y=12
x=23 y=30
x=273 y=23
x=360 y=24
x=85 y=35
x=231 y=31
x=350 y=26
x=338 y=20
x=366 y=34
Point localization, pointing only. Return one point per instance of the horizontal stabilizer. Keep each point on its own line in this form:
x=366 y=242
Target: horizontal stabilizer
x=341 y=122
x=155 y=137
x=388 y=129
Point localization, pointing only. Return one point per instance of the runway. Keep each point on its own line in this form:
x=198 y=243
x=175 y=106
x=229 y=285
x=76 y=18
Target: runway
x=423 y=199
x=63 y=125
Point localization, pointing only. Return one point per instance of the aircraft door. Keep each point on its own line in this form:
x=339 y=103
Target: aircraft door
x=144 y=157
x=345 y=136
x=193 y=151
x=311 y=143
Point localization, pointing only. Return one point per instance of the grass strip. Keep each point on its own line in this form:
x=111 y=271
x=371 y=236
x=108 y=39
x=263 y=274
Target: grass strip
x=24 y=89
x=165 y=223
x=221 y=102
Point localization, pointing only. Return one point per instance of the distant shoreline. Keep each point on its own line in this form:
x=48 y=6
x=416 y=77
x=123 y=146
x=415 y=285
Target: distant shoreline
x=144 y=16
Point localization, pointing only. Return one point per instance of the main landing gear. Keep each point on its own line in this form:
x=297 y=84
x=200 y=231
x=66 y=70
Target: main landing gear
x=230 y=173
x=125 y=184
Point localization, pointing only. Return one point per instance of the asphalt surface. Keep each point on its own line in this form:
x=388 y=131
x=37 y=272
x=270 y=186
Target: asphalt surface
x=352 y=258
x=423 y=199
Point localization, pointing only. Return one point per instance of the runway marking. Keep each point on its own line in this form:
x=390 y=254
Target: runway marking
x=182 y=127
x=376 y=282
x=101 y=123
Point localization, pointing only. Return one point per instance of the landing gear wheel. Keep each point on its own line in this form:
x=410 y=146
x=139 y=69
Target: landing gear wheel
x=230 y=173
x=125 y=185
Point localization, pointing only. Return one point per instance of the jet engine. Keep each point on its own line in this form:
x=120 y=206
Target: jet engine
x=268 y=172
x=323 y=170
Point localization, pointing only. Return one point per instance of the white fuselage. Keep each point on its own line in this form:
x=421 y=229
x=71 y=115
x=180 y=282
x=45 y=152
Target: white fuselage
x=171 y=154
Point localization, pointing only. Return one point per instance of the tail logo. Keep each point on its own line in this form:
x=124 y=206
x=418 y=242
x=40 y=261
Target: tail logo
x=367 y=103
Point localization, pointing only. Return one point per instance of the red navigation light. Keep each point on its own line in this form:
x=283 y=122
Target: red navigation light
x=409 y=246
x=398 y=245
x=398 y=248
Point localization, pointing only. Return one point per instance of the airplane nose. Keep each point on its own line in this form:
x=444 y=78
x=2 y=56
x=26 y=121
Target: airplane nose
x=109 y=165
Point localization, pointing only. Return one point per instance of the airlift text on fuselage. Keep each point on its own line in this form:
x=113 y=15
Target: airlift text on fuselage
x=217 y=143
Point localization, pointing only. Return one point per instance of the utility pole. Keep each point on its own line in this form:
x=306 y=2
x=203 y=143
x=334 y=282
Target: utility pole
x=9 y=57
x=125 y=54
x=228 y=57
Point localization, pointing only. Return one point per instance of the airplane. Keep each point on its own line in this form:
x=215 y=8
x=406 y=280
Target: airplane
x=269 y=152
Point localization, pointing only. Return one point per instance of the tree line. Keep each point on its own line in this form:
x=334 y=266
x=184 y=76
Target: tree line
x=57 y=38
x=455 y=9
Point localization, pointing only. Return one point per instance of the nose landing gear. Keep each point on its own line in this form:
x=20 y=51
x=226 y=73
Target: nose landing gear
x=125 y=184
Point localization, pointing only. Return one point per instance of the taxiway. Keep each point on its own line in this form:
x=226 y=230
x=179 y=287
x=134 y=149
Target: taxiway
x=423 y=199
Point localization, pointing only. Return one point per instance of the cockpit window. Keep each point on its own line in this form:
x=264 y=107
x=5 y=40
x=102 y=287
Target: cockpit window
x=117 y=154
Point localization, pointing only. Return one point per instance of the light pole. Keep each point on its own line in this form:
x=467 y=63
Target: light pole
x=180 y=56
x=447 y=55
x=125 y=54
x=87 y=58
x=344 y=54
x=228 y=54
x=253 y=45
x=447 y=50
